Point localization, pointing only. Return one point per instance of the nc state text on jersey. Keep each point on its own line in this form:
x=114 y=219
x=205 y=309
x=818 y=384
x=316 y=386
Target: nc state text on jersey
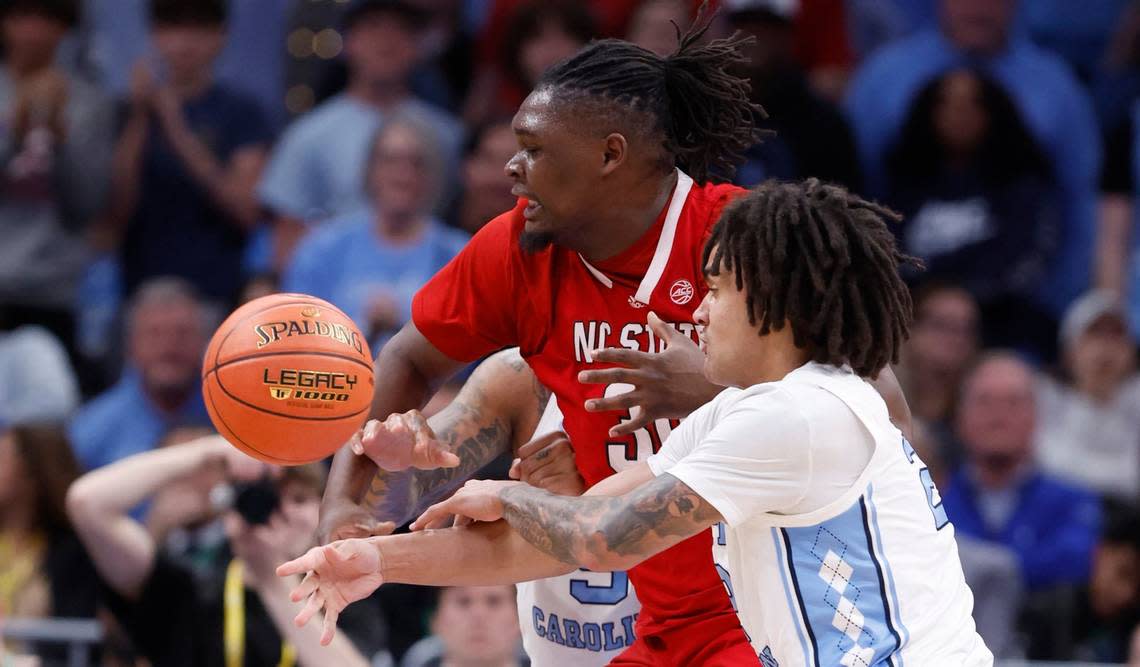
x=597 y=334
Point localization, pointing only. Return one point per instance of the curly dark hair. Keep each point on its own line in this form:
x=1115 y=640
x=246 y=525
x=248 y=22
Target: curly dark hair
x=698 y=107
x=823 y=260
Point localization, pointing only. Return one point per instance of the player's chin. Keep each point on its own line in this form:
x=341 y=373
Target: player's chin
x=535 y=240
x=710 y=369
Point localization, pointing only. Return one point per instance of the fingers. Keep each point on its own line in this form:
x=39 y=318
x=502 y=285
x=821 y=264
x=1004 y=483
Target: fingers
x=382 y=528
x=663 y=330
x=623 y=356
x=357 y=441
x=431 y=454
x=516 y=469
x=540 y=443
x=624 y=401
x=557 y=456
x=307 y=587
x=640 y=419
x=443 y=458
x=312 y=606
x=611 y=375
x=433 y=515
x=560 y=482
x=304 y=563
x=461 y=521
x=329 y=630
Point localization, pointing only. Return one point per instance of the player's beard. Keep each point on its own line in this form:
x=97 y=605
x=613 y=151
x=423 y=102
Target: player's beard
x=532 y=242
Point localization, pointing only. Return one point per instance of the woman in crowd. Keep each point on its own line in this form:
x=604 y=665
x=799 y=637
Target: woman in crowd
x=43 y=569
x=980 y=204
x=370 y=263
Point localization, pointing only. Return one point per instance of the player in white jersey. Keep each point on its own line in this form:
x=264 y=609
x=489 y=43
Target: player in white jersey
x=835 y=548
x=857 y=566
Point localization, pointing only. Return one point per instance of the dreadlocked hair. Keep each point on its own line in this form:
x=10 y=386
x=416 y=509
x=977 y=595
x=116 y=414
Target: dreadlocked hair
x=823 y=260
x=702 y=110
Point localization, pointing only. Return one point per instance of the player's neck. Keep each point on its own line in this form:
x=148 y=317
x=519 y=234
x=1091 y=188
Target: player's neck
x=773 y=363
x=627 y=222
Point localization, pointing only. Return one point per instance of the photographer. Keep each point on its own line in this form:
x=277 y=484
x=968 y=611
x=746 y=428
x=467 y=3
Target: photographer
x=171 y=619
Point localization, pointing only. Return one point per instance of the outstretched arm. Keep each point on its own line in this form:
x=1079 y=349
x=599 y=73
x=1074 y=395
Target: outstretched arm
x=343 y=572
x=601 y=533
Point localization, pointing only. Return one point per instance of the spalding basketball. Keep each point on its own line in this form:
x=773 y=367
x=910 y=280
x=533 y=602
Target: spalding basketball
x=287 y=379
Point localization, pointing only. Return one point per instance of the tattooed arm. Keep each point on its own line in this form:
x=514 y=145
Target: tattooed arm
x=495 y=413
x=475 y=555
x=597 y=532
x=605 y=534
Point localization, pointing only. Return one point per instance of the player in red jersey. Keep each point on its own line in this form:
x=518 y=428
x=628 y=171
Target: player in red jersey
x=608 y=228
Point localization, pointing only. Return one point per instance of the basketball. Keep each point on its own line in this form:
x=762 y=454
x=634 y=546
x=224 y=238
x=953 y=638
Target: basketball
x=287 y=378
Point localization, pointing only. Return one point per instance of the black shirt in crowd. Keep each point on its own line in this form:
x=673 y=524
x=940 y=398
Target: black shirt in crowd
x=177 y=622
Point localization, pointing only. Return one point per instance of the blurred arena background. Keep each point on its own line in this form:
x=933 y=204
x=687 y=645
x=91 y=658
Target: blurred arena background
x=162 y=162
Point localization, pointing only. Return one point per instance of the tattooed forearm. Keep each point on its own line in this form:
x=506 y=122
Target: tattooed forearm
x=605 y=532
x=477 y=440
x=475 y=437
x=478 y=426
x=388 y=495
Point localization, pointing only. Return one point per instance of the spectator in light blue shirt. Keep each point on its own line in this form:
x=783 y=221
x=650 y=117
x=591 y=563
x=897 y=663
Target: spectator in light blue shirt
x=314 y=173
x=370 y=263
x=979 y=34
x=167 y=328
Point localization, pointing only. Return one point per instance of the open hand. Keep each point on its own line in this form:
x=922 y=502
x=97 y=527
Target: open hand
x=336 y=575
x=477 y=500
x=403 y=441
x=548 y=463
x=667 y=384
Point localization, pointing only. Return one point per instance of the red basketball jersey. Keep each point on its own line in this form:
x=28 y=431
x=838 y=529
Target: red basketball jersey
x=557 y=309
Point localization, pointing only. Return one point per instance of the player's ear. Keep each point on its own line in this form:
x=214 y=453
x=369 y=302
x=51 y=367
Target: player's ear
x=615 y=151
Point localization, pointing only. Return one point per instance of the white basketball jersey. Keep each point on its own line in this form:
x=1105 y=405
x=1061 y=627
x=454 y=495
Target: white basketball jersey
x=870 y=578
x=580 y=619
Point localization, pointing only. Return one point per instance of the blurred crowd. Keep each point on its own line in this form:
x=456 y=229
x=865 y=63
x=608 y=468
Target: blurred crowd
x=162 y=161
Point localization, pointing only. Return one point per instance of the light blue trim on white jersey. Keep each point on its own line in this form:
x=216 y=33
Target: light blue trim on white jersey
x=842 y=590
x=793 y=608
x=896 y=613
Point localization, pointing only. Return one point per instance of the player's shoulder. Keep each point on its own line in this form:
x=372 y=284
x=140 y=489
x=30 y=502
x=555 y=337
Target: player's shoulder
x=706 y=202
x=711 y=197
x=767 y=398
